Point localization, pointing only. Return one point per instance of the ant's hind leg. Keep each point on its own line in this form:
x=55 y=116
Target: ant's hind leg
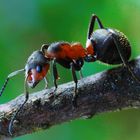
x=123 y=58
x=92 y=23
x=75 y=81
x=55 y=74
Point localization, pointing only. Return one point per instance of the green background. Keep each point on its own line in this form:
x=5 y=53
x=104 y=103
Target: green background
x=26 y=24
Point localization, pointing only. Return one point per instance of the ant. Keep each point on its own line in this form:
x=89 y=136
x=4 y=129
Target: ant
x=38 y=65
x=104 y=44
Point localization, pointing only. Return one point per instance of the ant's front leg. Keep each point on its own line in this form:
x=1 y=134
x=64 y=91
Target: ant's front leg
x=46 y=82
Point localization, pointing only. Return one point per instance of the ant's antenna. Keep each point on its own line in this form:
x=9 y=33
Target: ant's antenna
x=8 y=78
x=20 y=108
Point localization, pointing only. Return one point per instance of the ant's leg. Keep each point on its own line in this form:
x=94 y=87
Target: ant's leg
x=81 y=74
x=75 y=81
x=78 y=66
x=9 y=77
x=92 y=23
x=46 y=82
x=44 y=47
x=55 y=73
x=19 y=109
x=124 y=60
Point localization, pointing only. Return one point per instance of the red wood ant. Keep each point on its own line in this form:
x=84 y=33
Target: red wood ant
x=105 y=44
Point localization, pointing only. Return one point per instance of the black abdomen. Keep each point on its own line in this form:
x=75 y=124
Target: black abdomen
x=105 y=48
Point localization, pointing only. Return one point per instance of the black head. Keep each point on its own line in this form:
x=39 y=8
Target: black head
x=36 y=68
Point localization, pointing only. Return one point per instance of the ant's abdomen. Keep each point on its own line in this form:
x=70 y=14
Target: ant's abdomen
x=106 y=49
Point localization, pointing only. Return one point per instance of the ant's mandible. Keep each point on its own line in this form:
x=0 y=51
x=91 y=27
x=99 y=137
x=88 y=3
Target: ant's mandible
x=104 y=44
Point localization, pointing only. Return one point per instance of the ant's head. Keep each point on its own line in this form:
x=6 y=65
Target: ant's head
x=36 y=68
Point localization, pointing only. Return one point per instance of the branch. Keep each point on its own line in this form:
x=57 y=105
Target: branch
x=106 y=91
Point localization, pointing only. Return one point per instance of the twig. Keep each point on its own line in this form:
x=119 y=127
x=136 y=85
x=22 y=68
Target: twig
x=106 y=91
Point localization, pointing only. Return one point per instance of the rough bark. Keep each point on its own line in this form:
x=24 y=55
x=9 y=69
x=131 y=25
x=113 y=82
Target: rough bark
x=110 y=90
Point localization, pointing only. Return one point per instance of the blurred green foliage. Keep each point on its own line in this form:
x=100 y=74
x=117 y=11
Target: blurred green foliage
x=26 y=25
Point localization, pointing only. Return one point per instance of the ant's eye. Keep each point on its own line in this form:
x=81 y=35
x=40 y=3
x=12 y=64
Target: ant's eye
x=38 y=68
